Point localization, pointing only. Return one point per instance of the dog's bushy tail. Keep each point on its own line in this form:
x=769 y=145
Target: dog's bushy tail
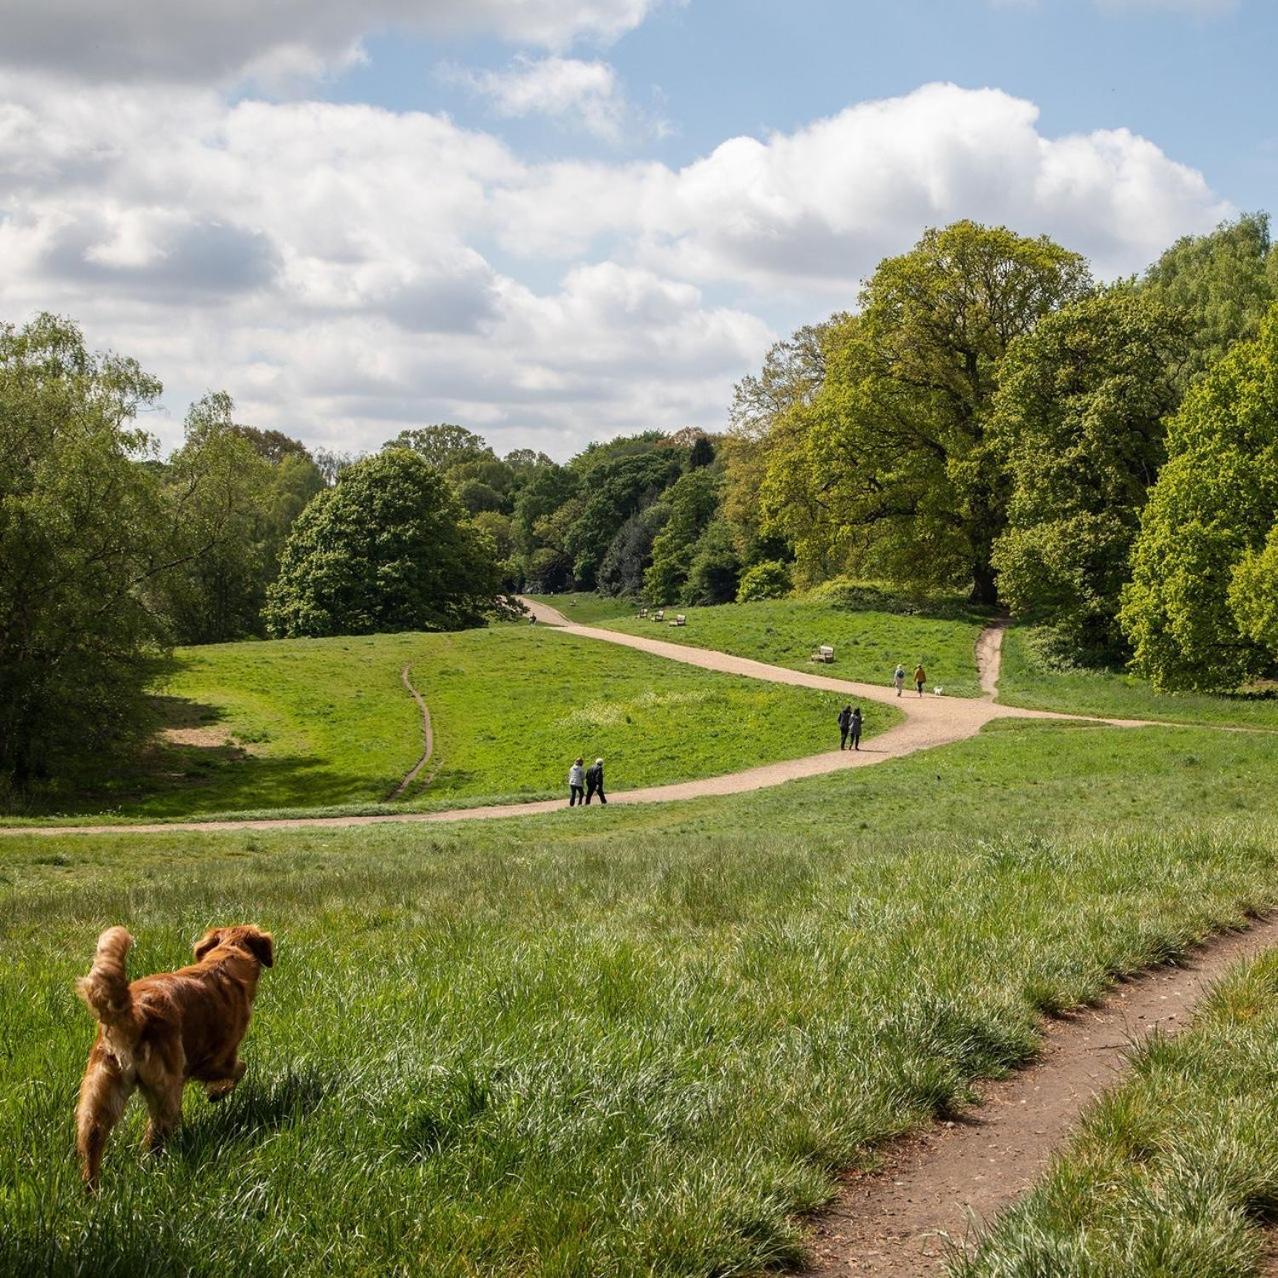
x=106 y=988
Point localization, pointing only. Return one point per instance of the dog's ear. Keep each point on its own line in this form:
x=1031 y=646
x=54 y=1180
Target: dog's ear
x=263 y=946
x=209 y=941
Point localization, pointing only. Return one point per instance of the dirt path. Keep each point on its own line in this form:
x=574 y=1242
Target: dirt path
x=989 y=657
x=428 y=737
x=904 y=1220
x=930 y=721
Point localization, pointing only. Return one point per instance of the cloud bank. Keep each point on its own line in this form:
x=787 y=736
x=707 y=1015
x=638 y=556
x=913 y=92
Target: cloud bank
x=344 y=270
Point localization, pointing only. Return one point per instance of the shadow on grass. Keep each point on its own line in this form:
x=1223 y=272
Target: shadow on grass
x=251 y=1112
x=191 y=767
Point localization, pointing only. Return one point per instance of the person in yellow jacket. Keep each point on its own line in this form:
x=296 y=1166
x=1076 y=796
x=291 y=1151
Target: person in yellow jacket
x=920 y=677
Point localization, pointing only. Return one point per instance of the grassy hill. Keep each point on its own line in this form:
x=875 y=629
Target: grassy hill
x=310 y=723
x=637 y=1044
x=867 y=643
x=1029 y=679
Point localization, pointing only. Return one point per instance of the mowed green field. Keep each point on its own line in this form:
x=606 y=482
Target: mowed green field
x=306 y=723
x=1027 y=679
x=867 y=644
x=642 y=1044
x=1173 y=1174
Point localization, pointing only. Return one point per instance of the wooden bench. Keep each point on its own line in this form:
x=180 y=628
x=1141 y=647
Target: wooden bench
x=823 y=654
x=659 y=615
x=680 y=620
x=643 y=612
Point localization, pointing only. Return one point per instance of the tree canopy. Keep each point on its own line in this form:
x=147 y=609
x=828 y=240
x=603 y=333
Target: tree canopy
x=388 y=548
x=1199 y=606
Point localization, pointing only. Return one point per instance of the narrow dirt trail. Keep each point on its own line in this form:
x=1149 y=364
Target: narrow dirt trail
x=930 y=721
x=906 y=1219
x=428 y=737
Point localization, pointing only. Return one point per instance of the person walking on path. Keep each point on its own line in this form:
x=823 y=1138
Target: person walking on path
x=920 y=677
x=594 y=782
x=855 y=728
x=577 y=784
x=845 y=726
x=898 y=678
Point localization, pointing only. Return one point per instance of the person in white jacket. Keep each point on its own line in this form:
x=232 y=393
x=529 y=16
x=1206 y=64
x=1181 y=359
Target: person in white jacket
x=577 y=783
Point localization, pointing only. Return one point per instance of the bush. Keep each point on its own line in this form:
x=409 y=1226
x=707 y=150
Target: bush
x=768 y=580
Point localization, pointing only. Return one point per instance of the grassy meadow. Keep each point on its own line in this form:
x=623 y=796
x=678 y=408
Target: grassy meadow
x=867 y=643
x=642 y=1045
x=1030 y=679
x=587 y=608
x=1174 y=1173
x=306 y=723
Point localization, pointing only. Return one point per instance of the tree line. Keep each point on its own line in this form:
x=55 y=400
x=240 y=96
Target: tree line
x=1099 y=459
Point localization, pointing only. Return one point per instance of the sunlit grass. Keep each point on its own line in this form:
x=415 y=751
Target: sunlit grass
x=327 y=724
x=867 y=645
x=640 y=1044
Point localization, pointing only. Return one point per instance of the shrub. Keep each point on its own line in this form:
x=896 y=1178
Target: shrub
x=768 y=580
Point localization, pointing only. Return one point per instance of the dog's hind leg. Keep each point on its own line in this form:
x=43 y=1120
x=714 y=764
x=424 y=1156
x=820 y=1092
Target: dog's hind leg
x=164 y=1101
x=220 y=1088
x=104 y=1093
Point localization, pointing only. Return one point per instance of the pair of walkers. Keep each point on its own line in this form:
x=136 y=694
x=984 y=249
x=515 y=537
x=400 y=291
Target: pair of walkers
x=585 y=782
x=850 y=728
x=920 y=678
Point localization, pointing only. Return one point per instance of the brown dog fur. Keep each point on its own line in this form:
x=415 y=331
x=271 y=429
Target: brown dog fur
x=159 y=1032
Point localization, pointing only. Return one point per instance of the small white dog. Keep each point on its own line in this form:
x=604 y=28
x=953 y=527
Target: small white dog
x=938 y=692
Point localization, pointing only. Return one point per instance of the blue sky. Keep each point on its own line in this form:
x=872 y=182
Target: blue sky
x=556 y=220
x=1199 y=80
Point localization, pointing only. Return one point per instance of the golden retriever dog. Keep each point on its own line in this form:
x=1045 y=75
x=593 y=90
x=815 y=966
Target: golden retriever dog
x=160 y=1032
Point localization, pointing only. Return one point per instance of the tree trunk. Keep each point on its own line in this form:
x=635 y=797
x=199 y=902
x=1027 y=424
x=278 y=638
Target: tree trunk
x=984 y=585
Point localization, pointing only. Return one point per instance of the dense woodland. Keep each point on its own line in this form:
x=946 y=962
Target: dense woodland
x=1101 y=460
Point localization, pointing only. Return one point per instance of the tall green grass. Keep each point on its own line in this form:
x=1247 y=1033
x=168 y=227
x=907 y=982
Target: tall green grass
x=1174 y=1173
x=638 y=1046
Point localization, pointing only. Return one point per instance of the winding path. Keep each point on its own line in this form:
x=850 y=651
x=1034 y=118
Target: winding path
x=930 y=721
x=428 y=736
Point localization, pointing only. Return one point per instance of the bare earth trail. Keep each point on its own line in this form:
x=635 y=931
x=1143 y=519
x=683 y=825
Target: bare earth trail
x=428 y=736
x=907 y=1218
x=930 y=721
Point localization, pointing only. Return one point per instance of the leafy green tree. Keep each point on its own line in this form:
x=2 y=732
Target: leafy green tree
x=82 y=528
x=548 y=572
x=1079 y=418
x=387 y=548
x=1195 y=610
x=1224 y=283
x=614 y=491
x=887 y=468
x=1253 y=595
x=630 y=554
x=444 y=445
x=715 y=572
x=546 y=491
x=691 y=502
x=240 y=490
x=766 y=580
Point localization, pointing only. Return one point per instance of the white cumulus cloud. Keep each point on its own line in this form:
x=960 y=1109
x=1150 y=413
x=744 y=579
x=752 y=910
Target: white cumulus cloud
x=344 y=270
x=584 y=93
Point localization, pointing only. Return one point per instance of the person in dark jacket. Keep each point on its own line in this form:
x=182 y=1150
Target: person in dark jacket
x=595 y=782
x=854 y=727
x=845 y=726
